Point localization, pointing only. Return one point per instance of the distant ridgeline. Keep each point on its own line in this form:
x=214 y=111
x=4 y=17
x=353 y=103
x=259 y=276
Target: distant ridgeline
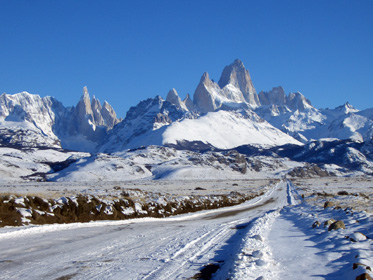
x=220 y=116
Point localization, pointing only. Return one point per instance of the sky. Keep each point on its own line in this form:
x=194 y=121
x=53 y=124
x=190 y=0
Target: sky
x=128 y=51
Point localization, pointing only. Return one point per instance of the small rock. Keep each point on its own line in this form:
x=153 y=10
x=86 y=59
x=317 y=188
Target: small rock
x=356 y=265
x=357 y=236
x=328 y=204
x=316 y=224
x=329 y=222
x=364 y=276
x=337 y=225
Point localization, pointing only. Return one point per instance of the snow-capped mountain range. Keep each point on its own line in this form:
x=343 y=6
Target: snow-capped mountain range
x=223 y=116
x=29 y=120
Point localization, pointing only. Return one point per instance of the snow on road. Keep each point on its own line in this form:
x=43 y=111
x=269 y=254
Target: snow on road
x=260 y=238
x=168 y=248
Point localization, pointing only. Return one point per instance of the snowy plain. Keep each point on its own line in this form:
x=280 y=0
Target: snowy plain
x=268 y=237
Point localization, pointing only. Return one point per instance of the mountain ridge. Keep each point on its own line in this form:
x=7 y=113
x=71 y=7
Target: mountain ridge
x=92 y=126
x=227 y=130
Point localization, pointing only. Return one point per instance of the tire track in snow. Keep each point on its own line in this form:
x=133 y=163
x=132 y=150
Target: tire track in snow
x=186 y=255
x=213 y=238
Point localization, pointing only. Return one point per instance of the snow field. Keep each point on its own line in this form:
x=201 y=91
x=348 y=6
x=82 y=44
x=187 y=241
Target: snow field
x=232 y=130
x=325 y=254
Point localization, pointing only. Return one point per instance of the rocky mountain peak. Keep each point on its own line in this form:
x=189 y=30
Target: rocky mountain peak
x=109 y=116
x=297 y=101
x=95 y=104
x=173 y=98
x=84 y=105
x=276 y=96
x=347 y=108
x=85 y=92
x=96 y=109
x=206 y=94
x=205 y=78
x=90 y=119
x=238 y=63
x=234 y=89
x=238 y=76
x=189 y=103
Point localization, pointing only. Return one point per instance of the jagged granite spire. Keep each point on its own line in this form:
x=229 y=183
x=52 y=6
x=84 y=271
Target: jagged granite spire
x=276 y=96
x=173 y=98
x=89 y=115
x=205 y=94
x=297 y=101
x=237 y=75
x=188 y=102
x=84 y=105
x=96 y=109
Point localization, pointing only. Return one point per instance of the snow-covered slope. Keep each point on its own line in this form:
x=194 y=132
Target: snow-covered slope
x=32 y=163
x=294 y=115
x=28 y=120
x=226 y=130
x=158 y=122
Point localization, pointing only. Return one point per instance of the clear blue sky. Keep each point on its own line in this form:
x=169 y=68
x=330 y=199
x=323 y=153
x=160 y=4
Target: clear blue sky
x=127 y=51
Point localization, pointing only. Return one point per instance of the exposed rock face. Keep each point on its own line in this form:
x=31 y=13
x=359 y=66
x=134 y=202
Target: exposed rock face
x=297 y=101
x=238 y=76
x=87 y=116
x=96 y=110
x=103 y=115
x=347 y=108
x=109 y=116
x=236 y=87
x=275 y=96
x=189 y=103
x=83 y=120
x=174 y=98
x=207 y=95
x=278 y=98
x=234 y=90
